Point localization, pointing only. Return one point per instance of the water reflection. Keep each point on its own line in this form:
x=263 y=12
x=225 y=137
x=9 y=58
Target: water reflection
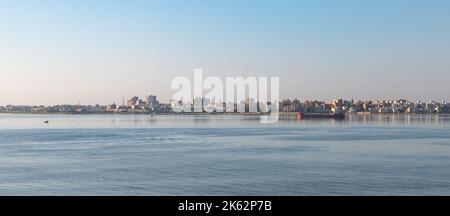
x=399 y=119
x=8 y=121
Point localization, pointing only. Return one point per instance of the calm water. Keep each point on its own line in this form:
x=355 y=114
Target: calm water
x=223 y=155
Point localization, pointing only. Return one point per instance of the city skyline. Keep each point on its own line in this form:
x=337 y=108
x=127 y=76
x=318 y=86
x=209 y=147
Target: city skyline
x=70 y=52
x=150 y=104
x=136 y=99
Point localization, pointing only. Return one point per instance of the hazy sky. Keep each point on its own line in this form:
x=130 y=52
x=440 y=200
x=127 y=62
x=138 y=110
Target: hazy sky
x=61 y=51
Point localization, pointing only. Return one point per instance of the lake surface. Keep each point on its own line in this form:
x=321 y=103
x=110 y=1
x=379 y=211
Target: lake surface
x=223 y=155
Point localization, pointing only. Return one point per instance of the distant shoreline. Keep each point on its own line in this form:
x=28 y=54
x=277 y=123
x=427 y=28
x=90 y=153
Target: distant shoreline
x=213 y=114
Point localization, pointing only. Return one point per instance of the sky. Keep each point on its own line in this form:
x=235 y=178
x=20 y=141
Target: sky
x=98 y=52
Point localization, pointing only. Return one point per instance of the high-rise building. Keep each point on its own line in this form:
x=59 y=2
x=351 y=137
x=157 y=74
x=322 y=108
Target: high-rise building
x=151 y=101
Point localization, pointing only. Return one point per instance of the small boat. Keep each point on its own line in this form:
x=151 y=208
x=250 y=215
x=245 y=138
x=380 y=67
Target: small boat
x=46 y=122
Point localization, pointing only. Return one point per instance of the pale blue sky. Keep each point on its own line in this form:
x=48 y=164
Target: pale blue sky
x=62 y=51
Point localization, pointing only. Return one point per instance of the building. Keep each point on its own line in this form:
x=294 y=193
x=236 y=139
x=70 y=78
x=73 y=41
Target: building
x=133 y=101
x=112 y=107
x=151 y=101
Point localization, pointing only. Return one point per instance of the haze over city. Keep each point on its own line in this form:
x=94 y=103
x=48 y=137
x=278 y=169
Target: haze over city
x=98 y=52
